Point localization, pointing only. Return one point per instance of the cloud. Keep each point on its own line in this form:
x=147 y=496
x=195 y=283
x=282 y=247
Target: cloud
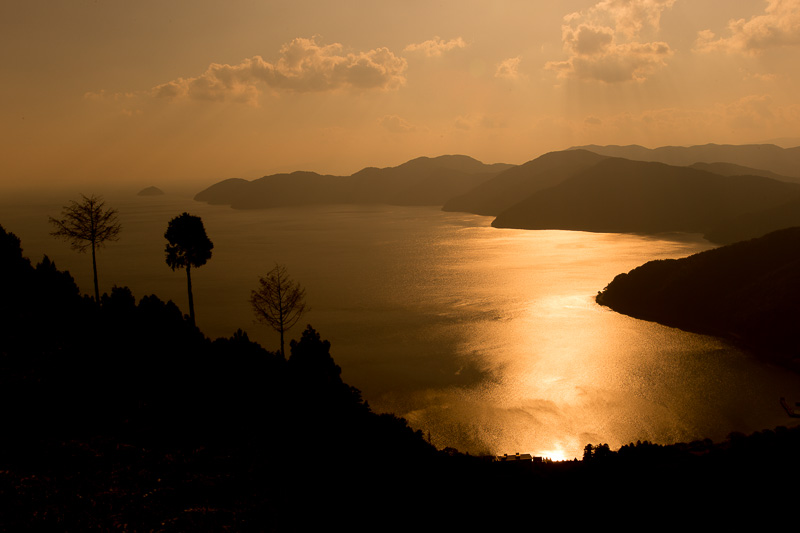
x=98 y=95
x=102 y=95
x=463 y=123
x=767 y=78
x=630 y=17
x=778 y=26
x=508 y=69
x=303 y=66
x=603 y=43
x=396 y=124
x=478 y=121
x=436 y=47
x=751 y=111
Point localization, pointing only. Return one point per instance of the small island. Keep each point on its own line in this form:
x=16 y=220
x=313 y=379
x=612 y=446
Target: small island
x=150 y=191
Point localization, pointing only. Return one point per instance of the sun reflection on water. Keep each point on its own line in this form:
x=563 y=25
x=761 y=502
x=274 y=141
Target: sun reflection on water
x=561 y=371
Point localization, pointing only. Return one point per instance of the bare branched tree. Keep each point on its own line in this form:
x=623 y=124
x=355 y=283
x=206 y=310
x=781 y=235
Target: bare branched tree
x=278 y=302
x=87 y=224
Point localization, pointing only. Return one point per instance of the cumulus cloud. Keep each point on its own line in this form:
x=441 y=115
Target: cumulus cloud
x=303 y=65
x=508 y=69
x=436 y=47
x=603 y=43
x=778 y=26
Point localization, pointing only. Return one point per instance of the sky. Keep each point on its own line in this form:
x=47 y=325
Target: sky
x=191 y=92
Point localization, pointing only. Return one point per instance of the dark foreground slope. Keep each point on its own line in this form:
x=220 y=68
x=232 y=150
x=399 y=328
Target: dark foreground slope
x=748 y=292
x=123 y=416
x=421 y=181
x=624 y=196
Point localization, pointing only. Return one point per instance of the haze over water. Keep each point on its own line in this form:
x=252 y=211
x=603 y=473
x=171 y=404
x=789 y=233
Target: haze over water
x=490 y=339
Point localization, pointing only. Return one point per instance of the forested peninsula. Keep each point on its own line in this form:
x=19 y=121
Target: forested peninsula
x=121 y=415
x=747 y=292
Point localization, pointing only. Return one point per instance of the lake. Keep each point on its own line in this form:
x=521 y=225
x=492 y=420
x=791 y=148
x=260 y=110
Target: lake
x=487 y=338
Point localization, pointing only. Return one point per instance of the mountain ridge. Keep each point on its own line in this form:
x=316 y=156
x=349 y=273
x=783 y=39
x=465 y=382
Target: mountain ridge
x=625 y=196
x=782 y=161
x=420 y=181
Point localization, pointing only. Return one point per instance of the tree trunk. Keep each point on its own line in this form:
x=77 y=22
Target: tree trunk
x=191 y=299
x=280 y=315
x=94 y=268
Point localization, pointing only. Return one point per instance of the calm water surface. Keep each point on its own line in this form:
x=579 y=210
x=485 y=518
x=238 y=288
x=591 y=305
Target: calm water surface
x=490 y=339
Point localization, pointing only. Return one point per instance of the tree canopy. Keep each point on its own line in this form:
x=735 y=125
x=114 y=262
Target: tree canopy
x=188 y=246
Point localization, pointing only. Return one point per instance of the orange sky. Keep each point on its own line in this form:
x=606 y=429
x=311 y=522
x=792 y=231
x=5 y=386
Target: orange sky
x=162 y=92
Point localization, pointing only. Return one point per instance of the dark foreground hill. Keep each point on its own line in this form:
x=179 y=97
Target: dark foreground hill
x=123 y=416
x=623 y=196
x=421 y=181
x=747 y=292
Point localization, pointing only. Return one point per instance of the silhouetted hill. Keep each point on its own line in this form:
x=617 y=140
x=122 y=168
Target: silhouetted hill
x=507 y=188
x=748 y=292
x=624 y=196
x=421 y=181
x=783 y=161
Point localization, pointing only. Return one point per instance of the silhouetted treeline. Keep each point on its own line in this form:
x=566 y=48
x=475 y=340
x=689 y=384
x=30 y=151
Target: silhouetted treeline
x=139 y=381
x=122 y=415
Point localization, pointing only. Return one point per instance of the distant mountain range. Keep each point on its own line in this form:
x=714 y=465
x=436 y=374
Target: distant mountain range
x=421 y=181
x=510 y=186
x=623 y=196
x=726 y=192
x=783 y=161
x=748 y=292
